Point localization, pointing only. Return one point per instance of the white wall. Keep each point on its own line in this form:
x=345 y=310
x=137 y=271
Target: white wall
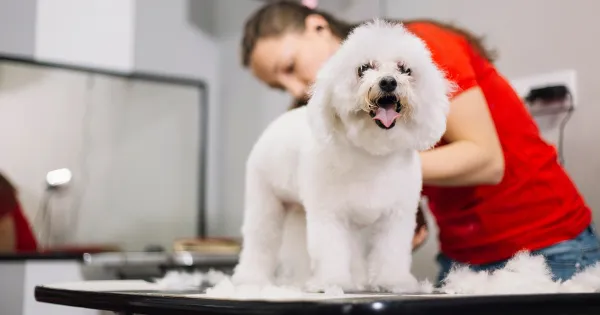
x=175 y=37
x=81 y=32
x=19 y=15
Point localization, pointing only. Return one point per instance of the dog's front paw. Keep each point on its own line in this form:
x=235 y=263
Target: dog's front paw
x=404 y=284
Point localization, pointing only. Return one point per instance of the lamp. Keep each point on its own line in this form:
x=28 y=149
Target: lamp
x=58 y=179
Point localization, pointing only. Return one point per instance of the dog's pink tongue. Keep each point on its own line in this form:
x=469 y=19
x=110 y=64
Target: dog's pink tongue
x=386 y=116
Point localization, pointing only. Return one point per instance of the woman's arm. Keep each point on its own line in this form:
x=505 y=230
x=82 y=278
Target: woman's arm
x=7 y=234
x=473 y=155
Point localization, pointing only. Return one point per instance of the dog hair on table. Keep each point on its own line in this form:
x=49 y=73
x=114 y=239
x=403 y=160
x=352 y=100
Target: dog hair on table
x=523 y=274
x=332 y=189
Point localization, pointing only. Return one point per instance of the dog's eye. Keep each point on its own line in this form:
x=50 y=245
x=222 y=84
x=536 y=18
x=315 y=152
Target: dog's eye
x=363 y=68
x=404 y=69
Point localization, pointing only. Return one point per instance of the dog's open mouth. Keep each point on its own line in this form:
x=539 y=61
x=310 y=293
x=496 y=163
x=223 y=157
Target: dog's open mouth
x=387 y=111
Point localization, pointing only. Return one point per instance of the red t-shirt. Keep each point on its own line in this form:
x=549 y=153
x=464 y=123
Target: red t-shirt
x=10 y=207
x=535 y=206
x=25 y=240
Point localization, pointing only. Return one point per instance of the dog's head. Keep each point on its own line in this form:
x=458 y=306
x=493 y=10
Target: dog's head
x=381 y=91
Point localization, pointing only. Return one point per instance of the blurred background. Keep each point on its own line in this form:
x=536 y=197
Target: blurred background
x=144 y=109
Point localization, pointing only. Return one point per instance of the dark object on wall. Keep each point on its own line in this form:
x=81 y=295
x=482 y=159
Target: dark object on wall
x=548 y=94
x=552 y=100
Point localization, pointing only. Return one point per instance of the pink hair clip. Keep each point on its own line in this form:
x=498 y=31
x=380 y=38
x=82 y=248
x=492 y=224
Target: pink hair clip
x=310 y=3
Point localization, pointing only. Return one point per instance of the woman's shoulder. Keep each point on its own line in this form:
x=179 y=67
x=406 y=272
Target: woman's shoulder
x=429 y=30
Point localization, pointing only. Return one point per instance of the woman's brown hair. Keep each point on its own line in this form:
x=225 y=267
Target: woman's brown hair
x=278 y=18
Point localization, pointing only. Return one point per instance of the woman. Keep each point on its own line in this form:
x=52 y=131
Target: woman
x=494 y=186
x=15 y=233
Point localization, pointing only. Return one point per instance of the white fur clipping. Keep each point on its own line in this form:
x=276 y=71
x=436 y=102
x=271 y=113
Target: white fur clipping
x=427 y=287
x=523 y=274
x=226 y=289
x=222 y=287
x=586 y=281
x=177 y=280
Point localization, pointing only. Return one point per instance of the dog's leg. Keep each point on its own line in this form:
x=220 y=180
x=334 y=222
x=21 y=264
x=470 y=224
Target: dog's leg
x=391 y=254
x=294 y=260
x=330 y=251
x=359 y=266
x=262 y=232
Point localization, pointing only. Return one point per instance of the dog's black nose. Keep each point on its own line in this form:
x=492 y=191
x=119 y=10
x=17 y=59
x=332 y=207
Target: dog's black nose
x=388 y=84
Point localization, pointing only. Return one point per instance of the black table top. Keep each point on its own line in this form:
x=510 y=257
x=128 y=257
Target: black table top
x=41 y=256
x=135 y=297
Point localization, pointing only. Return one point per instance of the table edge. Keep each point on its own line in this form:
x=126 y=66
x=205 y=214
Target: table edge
x=550 y=304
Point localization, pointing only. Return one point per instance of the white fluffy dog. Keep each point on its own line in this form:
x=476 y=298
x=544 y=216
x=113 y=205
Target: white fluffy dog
x=332 y=189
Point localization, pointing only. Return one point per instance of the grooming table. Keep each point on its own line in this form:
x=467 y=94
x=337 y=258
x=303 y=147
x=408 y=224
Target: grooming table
x=141 y=297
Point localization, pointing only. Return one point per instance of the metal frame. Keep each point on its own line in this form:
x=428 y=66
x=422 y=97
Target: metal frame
x=144 y=76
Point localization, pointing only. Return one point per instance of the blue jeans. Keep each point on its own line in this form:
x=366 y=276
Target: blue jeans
x=564 y=259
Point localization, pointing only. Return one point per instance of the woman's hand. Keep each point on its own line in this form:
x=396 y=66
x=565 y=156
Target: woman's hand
x=473 y=155
x=421 y=231
x=420 y=237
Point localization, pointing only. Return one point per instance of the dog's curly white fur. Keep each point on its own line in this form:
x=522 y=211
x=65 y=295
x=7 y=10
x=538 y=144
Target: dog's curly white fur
x=332 y=189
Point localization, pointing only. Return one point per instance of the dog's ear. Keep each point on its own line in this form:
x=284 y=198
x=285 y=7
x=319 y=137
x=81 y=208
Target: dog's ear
x=322 y=116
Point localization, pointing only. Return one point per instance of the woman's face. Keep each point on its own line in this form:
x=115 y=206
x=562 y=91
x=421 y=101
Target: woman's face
x=290 y=62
